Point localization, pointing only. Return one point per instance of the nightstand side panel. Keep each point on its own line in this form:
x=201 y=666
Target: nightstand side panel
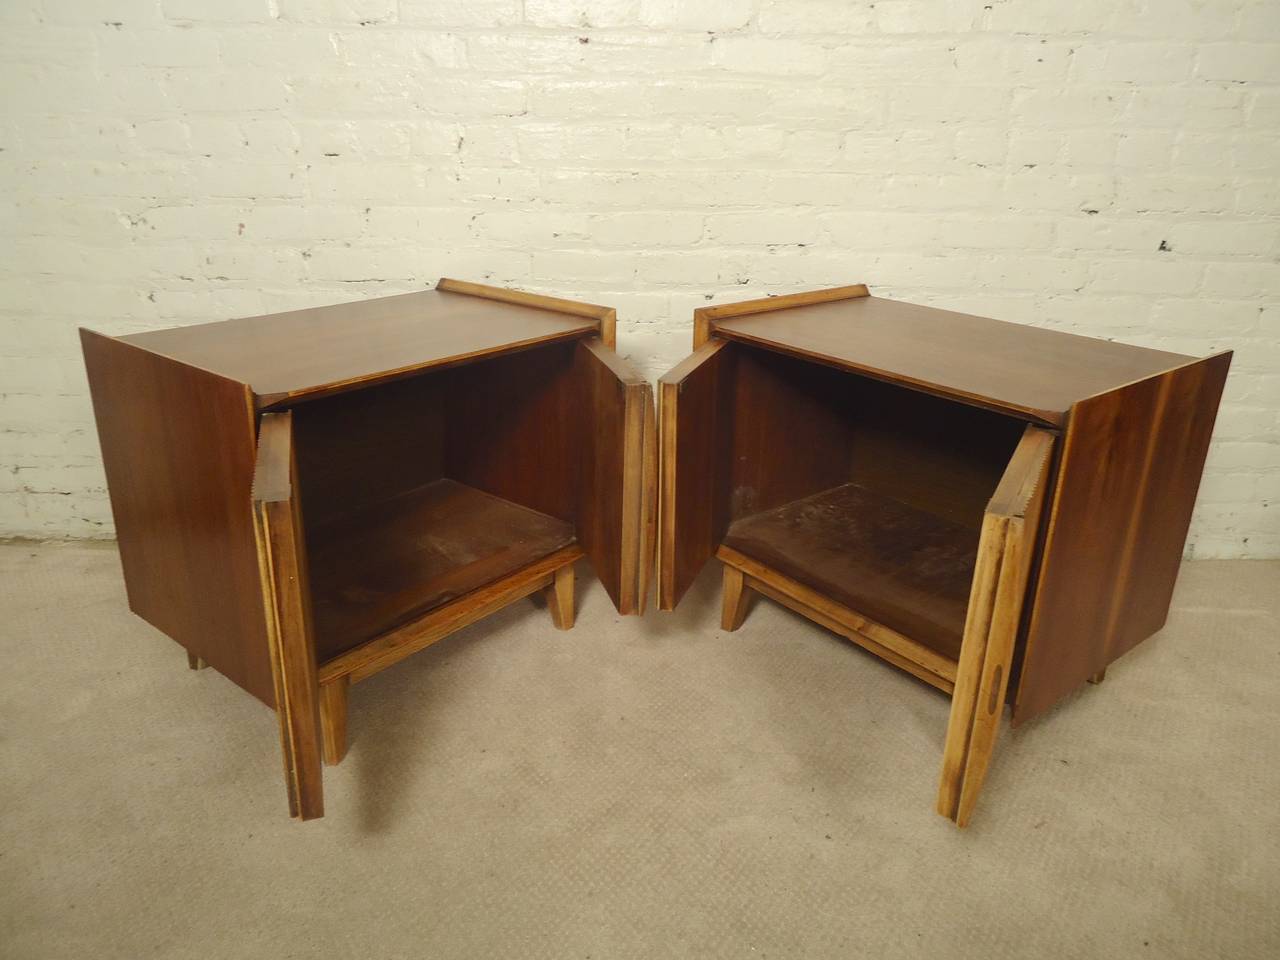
x=178 y=446
x=1127 y=482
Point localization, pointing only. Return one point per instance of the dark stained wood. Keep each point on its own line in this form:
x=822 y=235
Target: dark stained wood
x=789 y=425
x=1131 y=465
x=369 y=445
x=309 y=353
x=391 y=562
x=178 y=447
x=1159 y=533
x=404 y=641
x=282 y=561
x=770 y=429
x=836 y=427
x=614 y=448
x=513 y=427
x=1011 y=367
x=933 y=454
x=693 y=502
x=905 y=568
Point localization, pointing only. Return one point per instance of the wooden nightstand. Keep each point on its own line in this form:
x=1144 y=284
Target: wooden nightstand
x=999 y=510
x=373 y=476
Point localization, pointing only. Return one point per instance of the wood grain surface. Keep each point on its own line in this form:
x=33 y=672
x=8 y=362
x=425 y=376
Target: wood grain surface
x=1131 y=466
x=322 y=350
x=693 y=504
x=287 y=611
x=178 y=448
x=904 y=652
x=992 y=621
x=514 y=426
x=393 y=646
x=393 y=561
x=905 y=568
x=1030 y=371
x=614 y=449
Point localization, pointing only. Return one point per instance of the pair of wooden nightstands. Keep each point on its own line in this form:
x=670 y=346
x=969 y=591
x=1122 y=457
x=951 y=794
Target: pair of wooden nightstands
x=304 y=499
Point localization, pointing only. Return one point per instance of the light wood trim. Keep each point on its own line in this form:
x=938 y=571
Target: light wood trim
x=1026 y=477
x=636 y=496
x=609 y=327
x=704 y=317
x=668 y=394
x=282 y=566
x=973 y=652
x=849 y=633
x=605 y=316
x=734 y=608
x=691 y=363
x=394 y=645
x=901 y=651
x=618 y=366
x=648 y=503
x=560 y=598
x=333 y=719
x=1005 y=550
x=194 y=662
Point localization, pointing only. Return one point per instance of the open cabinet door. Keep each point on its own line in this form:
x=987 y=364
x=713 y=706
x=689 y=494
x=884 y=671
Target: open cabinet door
x=1005 y=549
x=618 y=474
x=282 y=563
x=692 y=516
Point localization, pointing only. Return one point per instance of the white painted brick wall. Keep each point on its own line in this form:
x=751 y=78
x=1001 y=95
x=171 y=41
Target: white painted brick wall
x=1107 y=167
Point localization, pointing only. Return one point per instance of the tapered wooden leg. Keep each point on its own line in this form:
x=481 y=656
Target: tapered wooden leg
x=560 y=598
x=1099 y=676
x=736 y=595
x=194 y=662
x=333 y=719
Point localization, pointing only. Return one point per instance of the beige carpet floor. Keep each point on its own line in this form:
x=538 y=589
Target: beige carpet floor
x=632 y=788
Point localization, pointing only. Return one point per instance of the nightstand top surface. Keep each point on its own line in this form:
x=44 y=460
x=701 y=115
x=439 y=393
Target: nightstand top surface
x=322 y=350
x=1004 y=366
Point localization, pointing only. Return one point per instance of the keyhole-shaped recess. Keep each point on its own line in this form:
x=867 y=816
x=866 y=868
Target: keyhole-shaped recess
x=995 y=689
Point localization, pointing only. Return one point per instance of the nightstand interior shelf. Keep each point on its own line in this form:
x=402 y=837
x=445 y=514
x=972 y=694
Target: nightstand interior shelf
x=410 y=496
x=386 y=563
x=879 y=505
x=905 y=568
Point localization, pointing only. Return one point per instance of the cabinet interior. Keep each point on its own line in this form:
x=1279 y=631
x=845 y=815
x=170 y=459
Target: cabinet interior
x=417 y=491
x=870 y=493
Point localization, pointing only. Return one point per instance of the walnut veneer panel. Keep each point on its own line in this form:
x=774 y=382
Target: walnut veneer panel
x=320 y=350
x=178 y=445
x=1127 y=483
x=1004 y=366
